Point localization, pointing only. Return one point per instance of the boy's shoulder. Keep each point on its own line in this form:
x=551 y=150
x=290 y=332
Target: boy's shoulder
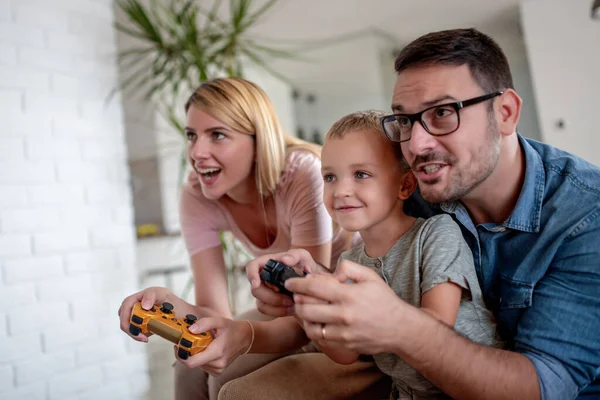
x=353 y=254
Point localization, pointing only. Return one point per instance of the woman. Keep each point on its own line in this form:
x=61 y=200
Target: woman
x=252 y=179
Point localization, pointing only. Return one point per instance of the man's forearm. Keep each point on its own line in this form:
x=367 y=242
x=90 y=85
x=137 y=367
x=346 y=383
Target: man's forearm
x=461 y=368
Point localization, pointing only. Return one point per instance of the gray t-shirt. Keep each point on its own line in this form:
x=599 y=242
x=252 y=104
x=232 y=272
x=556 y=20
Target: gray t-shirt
x=431 y=252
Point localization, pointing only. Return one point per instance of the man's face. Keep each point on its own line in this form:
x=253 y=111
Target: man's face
x=447 y=167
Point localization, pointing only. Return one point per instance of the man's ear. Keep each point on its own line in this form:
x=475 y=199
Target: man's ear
x=409 y=184
x=508 y=110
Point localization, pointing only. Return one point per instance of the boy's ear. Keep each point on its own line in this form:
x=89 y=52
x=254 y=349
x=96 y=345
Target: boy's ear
x=409 y=184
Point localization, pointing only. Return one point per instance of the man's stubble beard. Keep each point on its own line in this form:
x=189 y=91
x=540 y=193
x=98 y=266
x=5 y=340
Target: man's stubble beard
x=463 y=182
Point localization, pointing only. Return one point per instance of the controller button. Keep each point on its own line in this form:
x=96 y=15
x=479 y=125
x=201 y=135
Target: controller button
x=134 y=330
x=183 y=354
x=185 y=343
x=190 y=319
x=164 y=317
x=137 y=319
x=167 y=308
x=203 y=333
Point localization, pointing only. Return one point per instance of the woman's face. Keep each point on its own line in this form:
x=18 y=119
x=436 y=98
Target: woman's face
x=222 y=158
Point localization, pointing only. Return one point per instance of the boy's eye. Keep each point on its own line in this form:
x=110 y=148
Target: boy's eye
x=361 y=175
x=328 y=178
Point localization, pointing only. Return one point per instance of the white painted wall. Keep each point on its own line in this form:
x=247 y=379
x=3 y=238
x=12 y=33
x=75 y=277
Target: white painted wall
x=67 y=254
x=563 y=45
x=345 y=77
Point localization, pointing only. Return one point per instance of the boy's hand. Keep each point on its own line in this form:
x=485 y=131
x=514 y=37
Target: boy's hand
x=148 y=297
x=232 y=339
x=268 y=301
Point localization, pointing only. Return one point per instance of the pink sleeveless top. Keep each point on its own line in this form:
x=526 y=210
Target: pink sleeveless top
x=302 y=219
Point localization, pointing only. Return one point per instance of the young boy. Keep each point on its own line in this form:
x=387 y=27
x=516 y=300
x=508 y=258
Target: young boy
x=425 y=261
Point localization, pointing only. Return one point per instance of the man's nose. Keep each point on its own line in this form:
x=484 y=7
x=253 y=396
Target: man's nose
x=421 y=141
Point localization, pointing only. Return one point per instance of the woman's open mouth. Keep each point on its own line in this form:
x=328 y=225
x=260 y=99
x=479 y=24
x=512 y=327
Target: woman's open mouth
x=208 y=176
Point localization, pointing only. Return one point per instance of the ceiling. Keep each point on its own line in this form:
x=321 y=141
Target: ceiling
x=310 y=20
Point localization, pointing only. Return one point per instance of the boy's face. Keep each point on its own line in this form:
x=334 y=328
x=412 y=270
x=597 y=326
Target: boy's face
x=362 y=179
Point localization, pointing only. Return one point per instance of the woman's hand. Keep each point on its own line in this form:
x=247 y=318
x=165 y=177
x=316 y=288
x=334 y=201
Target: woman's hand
x=148 y=297
x=232 y=339
x=268 y=301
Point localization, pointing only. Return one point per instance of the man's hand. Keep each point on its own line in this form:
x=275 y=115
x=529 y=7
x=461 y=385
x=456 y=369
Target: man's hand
x=364 y=317
x=268 y=301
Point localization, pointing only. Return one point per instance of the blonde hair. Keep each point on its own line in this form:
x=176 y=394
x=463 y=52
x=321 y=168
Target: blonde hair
x=365 y=121
x=246 y=108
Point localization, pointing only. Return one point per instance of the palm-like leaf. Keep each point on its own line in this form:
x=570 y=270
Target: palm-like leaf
x=183 y=44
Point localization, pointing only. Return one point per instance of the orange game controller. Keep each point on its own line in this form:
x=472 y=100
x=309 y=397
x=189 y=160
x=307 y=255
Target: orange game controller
x=163 y=322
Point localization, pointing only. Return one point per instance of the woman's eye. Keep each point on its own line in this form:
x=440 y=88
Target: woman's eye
x=218 y=136
x=190 y=135
x=328 y=178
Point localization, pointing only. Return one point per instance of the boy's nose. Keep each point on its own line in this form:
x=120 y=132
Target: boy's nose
x=343 y=189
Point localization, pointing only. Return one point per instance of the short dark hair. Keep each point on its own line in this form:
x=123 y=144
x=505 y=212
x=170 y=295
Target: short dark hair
x=481 y=53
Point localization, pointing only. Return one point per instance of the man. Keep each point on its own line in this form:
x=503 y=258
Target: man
x=530 y=213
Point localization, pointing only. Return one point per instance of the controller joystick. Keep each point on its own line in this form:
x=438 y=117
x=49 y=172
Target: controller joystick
x=190 y=319
x=167 y=308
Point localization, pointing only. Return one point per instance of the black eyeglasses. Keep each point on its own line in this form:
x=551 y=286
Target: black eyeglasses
x=438 y=120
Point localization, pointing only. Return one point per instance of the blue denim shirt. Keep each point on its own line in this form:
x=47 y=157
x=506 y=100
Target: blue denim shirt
x=540 y=269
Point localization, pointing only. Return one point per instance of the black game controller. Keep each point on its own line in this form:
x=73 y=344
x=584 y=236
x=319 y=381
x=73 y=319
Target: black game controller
x=277 y=273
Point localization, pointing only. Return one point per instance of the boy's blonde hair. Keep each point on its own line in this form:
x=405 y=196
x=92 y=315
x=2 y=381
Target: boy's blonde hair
x=246 y=108
x=366 y=121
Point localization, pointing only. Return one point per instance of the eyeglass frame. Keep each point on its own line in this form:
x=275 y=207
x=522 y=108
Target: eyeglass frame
x=458 y=105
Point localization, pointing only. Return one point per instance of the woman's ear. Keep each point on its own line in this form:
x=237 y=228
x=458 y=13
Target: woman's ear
x=409 y=184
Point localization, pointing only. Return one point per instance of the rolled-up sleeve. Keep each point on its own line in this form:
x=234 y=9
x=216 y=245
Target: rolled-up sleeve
x=560 y=332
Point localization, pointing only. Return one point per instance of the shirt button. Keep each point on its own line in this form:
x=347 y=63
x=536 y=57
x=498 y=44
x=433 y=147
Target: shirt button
x=377 y=264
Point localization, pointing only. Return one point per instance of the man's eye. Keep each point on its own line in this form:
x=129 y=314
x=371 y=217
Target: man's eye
x=403 y=121
x=443 y=112
x=328 y=178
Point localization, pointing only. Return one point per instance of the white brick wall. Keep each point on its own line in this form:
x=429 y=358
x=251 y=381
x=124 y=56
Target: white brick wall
x=67 y=245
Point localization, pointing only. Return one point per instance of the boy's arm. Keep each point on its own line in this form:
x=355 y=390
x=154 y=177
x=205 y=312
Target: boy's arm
x=280 y=335
x=442 y=302
x=339 y=354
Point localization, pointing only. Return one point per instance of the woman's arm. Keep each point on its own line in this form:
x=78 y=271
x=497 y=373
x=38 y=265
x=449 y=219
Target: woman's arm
x=210 y=282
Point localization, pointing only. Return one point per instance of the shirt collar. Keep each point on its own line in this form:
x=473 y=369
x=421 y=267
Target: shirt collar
x=527 y=213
